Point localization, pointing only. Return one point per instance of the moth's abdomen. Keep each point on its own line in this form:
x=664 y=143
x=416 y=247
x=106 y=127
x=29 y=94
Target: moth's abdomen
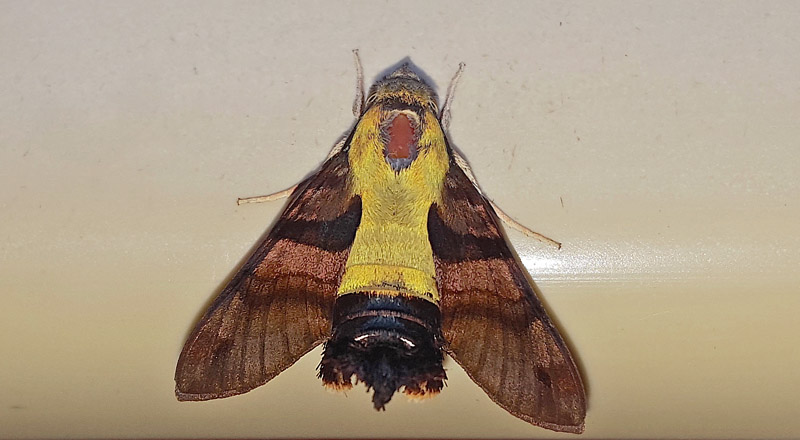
x=389 y=342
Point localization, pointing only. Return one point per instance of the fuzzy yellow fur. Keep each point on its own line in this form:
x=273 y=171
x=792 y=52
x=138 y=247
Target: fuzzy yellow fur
x=391 y=253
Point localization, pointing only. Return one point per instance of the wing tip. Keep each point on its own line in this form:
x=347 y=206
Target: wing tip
x=576 y=428
x=558 y=427
x=571 y=429
x=198 y=397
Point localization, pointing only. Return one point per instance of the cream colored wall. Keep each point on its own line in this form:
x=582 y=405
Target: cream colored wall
x=659 y=142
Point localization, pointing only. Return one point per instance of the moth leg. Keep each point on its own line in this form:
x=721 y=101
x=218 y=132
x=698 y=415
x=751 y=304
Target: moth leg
x=444 y=118
x=288 y=191
x=358 y=104
x=462 y=163
x=267 y=198
x=522 y=228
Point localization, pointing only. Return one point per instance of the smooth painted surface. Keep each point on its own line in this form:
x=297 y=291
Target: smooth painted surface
x=659 y=142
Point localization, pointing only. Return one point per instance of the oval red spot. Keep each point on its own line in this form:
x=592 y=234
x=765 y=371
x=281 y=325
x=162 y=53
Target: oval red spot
x=401 y=138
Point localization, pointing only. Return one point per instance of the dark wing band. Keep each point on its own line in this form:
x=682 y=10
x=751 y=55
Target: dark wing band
x=277 y=307
x=495 y=326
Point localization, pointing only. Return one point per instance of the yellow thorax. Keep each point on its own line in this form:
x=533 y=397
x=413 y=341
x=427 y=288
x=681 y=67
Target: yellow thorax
x=391 y=253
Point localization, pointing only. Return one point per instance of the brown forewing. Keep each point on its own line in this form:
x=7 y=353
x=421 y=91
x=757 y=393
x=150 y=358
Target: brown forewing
x=277 y=307
x=495 y=326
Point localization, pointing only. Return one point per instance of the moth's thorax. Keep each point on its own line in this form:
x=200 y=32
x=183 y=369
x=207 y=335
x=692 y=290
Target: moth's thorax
x=398 y=158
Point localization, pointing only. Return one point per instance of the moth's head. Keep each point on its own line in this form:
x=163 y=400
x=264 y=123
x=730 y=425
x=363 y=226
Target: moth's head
x=387 y=343
x=404 y=109
x=403 y=88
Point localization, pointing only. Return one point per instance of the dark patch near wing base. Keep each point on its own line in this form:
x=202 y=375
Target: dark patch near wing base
x=455 y=247
x=332 y=235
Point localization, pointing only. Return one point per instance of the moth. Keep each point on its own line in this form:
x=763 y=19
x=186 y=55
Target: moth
x=391 y=257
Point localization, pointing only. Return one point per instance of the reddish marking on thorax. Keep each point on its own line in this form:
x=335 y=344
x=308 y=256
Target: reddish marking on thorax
x=401 y=138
